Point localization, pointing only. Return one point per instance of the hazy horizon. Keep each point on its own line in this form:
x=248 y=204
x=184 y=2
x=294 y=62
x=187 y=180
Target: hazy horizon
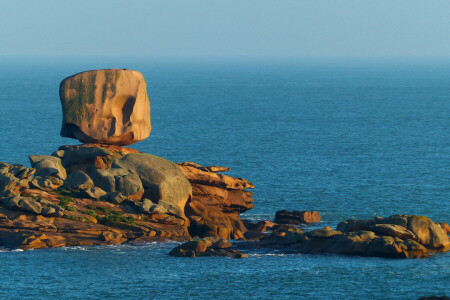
x=288 y=29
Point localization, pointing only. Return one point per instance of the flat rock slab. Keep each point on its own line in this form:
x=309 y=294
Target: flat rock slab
x=105 y=106
x=297 y=217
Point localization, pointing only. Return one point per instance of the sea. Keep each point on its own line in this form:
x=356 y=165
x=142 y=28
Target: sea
x=350 y=138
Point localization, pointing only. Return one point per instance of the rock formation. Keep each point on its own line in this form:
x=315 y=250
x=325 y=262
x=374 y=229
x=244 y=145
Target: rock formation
x=297 y=217
x=216 y=202
x=399 y=236
x=105 y=106
x=105 y=194
x=207 y=247
x=102 y=193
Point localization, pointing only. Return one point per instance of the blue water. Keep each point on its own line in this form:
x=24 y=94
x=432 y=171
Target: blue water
x=347 y=138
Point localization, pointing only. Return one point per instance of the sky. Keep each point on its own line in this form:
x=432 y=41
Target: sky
x=281 y=28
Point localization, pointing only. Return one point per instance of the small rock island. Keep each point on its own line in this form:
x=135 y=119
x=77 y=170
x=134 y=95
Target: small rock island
x=100 y=193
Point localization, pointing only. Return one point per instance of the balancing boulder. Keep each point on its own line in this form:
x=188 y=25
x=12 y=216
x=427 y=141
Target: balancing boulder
x=105 y=106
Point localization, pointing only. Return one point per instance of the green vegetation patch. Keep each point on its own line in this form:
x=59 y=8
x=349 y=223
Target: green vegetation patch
x=72 y=218
x=90 y=213
x=64 y=201
x=70 y=208
x=110 y=216
x=110 y=83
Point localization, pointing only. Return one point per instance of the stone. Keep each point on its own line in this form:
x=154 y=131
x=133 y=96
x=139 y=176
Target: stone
x=46 y=165
x=147 y=205
x=8 y=194
x=429 y=234
x=111 y=237
x=283 y=237
x=30 y=205
x=369 y=237
x=161 y=179
x=211 y=221
x=94 y=192
x=27 y=240
x=393 y=230
x=114 y=197
x=197 y=175
x=48 y=211
x=207 y=247
x=104 y=179
x=11 y=202
x=261 y=226
x=16 y=170
x=14 y=178
x=297 y=217
x=355 y=225
x=446 y=227
x=130 y=186
x=27 y=204
x=120 y=180
x=78 y=180
x=323 y=233
x=47 y=183
x=105 y=106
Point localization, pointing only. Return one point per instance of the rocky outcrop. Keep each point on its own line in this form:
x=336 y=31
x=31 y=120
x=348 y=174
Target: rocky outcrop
x=105 y=106
x=162 y=180
x=207 y=247
x=102 y=194
x=399 y=236
x=217 y=201
x=297 y=217
x=48 y=166
x=14 y=179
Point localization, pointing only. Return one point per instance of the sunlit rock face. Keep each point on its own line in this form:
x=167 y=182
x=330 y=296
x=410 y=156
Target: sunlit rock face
x=105 y=106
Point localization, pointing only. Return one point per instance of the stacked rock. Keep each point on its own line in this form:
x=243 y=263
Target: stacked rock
x=105 y=106
x=100 y=192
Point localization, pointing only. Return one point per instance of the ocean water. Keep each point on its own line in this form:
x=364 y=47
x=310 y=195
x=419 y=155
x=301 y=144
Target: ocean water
x=349 y=138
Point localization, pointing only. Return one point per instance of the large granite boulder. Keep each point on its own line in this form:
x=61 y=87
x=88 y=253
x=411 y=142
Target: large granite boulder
x=162 y=180
x=105 y=106
x=48 y=166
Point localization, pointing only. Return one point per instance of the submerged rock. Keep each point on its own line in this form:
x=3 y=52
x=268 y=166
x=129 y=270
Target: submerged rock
x=297 y=217
x=105 y=106
x=207 y=247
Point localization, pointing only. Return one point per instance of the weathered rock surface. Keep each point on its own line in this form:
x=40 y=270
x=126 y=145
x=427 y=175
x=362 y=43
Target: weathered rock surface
x=78 y=180
x=105 y=106
x=216 y=202
x=46 y=165
x=297 y=217
x=202 y=175
x=14 y=178
x=399 y=236
x=162 y=180
x=209 y=246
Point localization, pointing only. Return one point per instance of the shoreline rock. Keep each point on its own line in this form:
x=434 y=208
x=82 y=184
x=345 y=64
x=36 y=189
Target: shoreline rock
x=100 y=193
x=109 y=195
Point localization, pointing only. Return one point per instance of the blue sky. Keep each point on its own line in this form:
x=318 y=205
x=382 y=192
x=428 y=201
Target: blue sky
x=225 y=28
